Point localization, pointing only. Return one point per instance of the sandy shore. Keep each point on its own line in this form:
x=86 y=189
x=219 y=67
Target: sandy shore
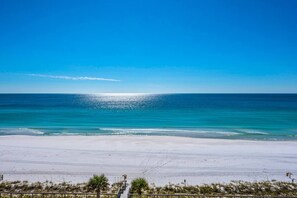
x=159 y=159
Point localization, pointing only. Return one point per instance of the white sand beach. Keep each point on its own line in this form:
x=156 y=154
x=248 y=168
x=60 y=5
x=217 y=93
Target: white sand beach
x=159 y=159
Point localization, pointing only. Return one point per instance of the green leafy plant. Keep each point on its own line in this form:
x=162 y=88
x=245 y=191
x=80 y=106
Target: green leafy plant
x=98 y=182
x=138 y=185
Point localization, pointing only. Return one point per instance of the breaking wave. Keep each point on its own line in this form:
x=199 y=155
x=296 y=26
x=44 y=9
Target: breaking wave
x=220 y=133
x=169 y=132
x=20 y=131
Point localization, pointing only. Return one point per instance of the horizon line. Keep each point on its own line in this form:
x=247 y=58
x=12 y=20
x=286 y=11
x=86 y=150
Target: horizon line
x=146 y=93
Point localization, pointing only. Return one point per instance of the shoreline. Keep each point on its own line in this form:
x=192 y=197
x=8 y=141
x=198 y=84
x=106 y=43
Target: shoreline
x=160 y=159
x=200 y=133
x=152 y=135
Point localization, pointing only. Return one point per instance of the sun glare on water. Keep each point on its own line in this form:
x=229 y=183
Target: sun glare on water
x=119 y=100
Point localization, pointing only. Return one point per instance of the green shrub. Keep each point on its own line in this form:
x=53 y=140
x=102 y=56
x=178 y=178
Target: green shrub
x=138 y=185
x=98 y=182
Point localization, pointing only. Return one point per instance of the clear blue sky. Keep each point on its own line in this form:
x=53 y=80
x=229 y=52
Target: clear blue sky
x=148 y=46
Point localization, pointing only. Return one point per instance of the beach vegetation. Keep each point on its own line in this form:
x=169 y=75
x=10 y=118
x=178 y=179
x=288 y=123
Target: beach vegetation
x=272 y=188
x=46 y=187
x=99 y=183
x=138 y=185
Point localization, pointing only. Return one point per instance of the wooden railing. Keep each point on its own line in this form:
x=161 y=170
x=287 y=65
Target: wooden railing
x=117 y=195
x=203 y=196
x=55 y=195
x=62 y=194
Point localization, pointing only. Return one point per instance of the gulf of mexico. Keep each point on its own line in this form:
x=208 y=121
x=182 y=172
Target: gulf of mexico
x=231 y=116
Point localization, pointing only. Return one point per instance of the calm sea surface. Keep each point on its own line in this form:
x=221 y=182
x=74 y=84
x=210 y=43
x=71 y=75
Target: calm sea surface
x=230 y=116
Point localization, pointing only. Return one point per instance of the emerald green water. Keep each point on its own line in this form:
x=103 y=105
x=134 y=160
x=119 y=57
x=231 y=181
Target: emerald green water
x=231 y=116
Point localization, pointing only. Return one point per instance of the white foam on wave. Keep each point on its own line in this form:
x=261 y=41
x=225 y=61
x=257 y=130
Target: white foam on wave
x=228 y=133
x=66 y=134
x=181 y=132
x=20 y=131
x=251 y=131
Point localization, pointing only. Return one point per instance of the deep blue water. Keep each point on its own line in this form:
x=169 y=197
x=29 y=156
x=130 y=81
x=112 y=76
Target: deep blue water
x=232 y=116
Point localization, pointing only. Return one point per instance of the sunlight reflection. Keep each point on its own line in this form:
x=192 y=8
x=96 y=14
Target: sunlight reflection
x=120 y=100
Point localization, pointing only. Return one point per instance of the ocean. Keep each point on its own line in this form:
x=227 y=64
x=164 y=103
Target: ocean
x=227 y=116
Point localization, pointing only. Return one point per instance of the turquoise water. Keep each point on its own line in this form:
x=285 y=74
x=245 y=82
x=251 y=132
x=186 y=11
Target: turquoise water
x=230 y=116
